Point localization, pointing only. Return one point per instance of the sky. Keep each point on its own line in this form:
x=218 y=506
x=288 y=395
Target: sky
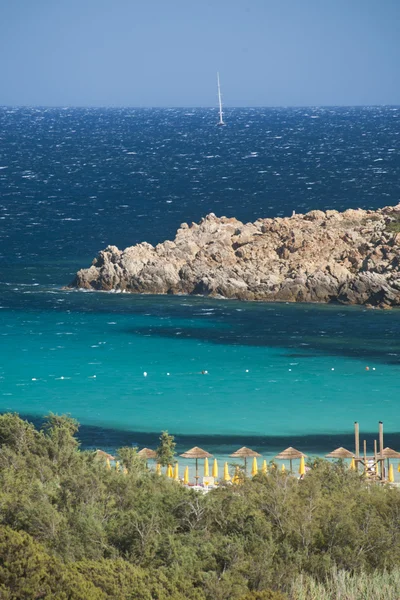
x=166 y=52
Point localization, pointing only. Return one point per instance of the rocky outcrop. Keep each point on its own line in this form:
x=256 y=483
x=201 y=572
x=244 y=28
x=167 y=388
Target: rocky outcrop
x=351 y=257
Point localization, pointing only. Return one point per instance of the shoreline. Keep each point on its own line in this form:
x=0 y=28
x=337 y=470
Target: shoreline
x=110 y=439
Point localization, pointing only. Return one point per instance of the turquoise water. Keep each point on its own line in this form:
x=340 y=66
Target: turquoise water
x=73 y=181
x=88 y=354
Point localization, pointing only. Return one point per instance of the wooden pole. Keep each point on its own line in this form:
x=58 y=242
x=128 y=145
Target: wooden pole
x=365 y=457
x=376 y=458
x=381 y=450
x=357 y=442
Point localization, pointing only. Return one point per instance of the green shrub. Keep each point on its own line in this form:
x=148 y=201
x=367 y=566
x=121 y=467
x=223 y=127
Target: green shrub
x=72 y=526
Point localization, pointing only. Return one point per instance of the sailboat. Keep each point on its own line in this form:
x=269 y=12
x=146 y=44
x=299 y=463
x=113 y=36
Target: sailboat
x=221 y=121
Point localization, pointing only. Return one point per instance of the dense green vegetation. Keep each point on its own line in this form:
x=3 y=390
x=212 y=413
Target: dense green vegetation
x=72 y=529
x=394 y=225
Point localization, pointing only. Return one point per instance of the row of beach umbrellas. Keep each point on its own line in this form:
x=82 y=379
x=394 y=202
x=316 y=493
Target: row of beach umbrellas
x=197 y=454
x=290 y=454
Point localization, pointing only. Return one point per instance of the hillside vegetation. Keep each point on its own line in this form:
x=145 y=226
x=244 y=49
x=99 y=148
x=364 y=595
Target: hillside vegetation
x=72 y=529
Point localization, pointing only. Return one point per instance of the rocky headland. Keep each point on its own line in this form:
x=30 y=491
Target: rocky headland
x=351 y=257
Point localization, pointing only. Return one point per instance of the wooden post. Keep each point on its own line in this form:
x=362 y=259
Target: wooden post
x=382 y=461
x=357 y=442
x=365 y=457
x=376 y=459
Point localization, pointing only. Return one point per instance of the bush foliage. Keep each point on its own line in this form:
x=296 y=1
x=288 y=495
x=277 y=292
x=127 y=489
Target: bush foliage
x=71 y=528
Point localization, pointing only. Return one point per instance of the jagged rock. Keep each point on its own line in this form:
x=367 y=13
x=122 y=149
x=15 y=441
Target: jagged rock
x=351 y=257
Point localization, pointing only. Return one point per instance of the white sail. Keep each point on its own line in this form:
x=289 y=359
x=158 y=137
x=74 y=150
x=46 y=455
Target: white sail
x=221 y=120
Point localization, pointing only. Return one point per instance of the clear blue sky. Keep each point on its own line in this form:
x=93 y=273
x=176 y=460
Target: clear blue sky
x=166 y=52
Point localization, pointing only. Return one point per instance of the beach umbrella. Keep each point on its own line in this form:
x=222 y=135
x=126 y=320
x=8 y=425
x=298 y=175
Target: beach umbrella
x=245 y=453
x=389 y=453
x=215 y=469
x=283 y=468
x=186 y=476
x=169 y=471
x=352 y=464
x=391 y=474
x=196 y=453
x=147 y=454
x=236 y=477
x=158 y=469
x=264 y=468
x=117 y=465
x=227 y=477
x=104 y=455
x=398 y=468
x=176 y=472
x=340 y=453
x=108 y=464
x=290 y=454
x=302 y=467
x=206 y=468
x=254 y=468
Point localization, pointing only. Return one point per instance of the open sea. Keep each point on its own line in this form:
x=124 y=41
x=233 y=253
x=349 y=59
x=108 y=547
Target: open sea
x=74 y=180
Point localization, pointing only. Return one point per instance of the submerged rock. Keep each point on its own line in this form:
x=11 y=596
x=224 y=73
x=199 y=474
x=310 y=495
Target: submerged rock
x=351 y=257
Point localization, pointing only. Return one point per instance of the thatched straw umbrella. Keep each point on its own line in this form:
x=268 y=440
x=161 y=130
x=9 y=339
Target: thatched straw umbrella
x=340 y=453
x=196 y=453
x=245 y=453
x=147 y=454
x=290 y=454
x=389 y=453
x=104 y=455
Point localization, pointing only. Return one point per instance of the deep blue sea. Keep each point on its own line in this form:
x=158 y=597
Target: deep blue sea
x=75 y=180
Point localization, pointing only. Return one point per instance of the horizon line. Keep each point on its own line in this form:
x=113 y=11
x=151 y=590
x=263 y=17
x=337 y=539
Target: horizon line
x=212 y=107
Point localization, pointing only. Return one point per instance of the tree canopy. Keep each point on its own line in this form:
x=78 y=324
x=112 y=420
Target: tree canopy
x=71 y=528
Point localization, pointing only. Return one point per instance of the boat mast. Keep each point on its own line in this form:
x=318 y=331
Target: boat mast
x=221 y=121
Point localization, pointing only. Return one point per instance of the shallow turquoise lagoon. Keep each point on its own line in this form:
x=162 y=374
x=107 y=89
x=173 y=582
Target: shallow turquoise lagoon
x=273 y=371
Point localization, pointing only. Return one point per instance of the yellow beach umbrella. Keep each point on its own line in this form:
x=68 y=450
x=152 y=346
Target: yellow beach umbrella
x=206 y=469
x=117 y=465
x=158 y=469
x=227 y=477
x=254 y=468
x=352 y=464
x=215 y=469
x=108 y=466
x=169 y=471
x=283 y=469
x=391 y=474
x=302 y=467
x=264 y=468
x=186 y=476
x=236 y=478
x=176 y=472
x=398 y=467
